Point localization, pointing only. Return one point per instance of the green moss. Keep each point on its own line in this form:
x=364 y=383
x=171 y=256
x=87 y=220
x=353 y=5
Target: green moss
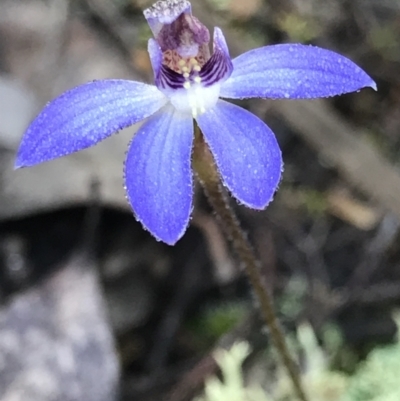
x=215 y=321
x=377 y=379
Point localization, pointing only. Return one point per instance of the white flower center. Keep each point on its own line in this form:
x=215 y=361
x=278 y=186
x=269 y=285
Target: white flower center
x=194 y=98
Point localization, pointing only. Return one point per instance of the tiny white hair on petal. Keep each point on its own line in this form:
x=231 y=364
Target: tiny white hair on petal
x=166 y=11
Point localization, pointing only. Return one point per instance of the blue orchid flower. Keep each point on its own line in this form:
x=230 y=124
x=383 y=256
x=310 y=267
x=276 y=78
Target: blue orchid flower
x=189 y=84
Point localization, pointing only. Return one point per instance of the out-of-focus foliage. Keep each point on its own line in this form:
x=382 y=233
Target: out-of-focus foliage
x=299 y=29
x=375 y=379
x=320 y=383
x=232 y=386
x=292 y=300
x=215 y=321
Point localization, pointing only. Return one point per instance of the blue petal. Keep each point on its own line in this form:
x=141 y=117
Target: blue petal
x=246 y=153
x=85 y=115
x=158 y=176
x=293 y=71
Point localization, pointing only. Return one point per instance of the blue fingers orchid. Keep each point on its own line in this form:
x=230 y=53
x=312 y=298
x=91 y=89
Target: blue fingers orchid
x=189 y=82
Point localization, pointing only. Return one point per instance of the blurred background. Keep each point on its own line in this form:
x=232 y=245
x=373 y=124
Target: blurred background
x=93 y=308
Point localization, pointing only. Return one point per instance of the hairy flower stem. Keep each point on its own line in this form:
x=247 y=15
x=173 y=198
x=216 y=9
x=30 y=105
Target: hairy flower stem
x=208 y=176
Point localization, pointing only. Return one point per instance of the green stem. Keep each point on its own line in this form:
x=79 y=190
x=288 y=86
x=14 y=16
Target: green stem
x=204 y=166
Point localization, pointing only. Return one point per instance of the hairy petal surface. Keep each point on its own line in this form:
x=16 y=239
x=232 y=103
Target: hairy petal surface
x=246 y=153
x=158 y=177
x=85 y=115
x=293 y=71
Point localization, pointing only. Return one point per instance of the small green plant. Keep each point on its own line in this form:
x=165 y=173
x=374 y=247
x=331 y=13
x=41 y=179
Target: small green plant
x=232 y=387
x=322 y=384
x=375 y=379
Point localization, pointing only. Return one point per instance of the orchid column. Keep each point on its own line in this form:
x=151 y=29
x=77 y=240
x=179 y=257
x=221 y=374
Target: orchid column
x=232 y=147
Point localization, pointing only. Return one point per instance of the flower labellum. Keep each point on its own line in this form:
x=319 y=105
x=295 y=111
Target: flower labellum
x=189 y=84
